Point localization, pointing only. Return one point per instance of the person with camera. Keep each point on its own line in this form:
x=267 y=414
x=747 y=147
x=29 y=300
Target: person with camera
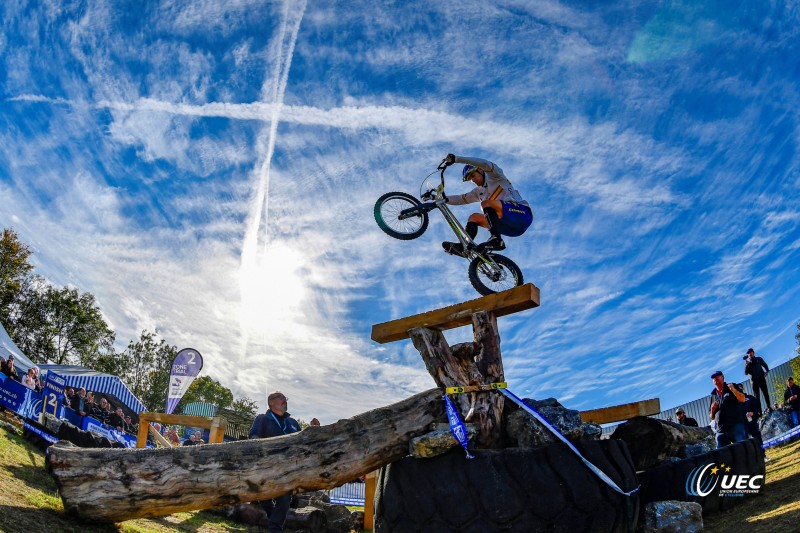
x=791 y=401
x=757 y=369
x=725 y=410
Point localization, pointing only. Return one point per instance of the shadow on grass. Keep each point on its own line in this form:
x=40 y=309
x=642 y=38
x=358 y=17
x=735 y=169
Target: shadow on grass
x=772 y=497
x=29 y=520
x=35 y=477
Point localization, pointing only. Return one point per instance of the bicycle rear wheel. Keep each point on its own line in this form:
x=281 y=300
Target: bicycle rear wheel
x=387 y=215
x=488 y=279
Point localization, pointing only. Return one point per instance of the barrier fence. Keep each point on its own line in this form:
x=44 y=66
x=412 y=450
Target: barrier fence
x=348 y=494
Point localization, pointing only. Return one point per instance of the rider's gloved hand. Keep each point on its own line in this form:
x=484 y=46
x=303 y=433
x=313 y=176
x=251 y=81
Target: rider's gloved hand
x=449 y=160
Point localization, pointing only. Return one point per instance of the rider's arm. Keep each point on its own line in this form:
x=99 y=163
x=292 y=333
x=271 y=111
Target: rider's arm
x=466 y=198
x=490 y=168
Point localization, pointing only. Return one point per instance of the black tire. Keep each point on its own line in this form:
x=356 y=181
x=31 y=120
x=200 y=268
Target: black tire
x=511 y=275
x=387 y=211
x=668 y=481
x=516 y=489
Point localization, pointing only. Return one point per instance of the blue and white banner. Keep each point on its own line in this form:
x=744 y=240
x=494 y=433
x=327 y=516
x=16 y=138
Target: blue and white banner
x=456 y=425
x=185 y=367
x=90 y=424
x=16 y=397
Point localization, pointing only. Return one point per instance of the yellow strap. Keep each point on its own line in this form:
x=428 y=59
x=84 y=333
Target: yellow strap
x=477 y=388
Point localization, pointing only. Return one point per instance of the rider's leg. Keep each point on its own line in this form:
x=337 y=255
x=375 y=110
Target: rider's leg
x=475 y=221
x=495 y=242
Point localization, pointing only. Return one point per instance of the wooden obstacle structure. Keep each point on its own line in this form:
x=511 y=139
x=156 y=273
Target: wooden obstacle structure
x=128 y=484
x=625 y=411
x=215 y=425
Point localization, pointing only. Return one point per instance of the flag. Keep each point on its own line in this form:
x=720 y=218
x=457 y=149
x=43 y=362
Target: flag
x=185 y=367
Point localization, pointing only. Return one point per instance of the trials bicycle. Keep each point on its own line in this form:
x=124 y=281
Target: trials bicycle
x=402 y=216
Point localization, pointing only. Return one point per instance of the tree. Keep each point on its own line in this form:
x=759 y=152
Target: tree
x=14 y=272
x=208 y=390
x=144 y=367
x=245 y=407
x=61 y=325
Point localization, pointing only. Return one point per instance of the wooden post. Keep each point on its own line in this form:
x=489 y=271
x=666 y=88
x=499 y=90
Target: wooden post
x=369 y=500
x=475 y=363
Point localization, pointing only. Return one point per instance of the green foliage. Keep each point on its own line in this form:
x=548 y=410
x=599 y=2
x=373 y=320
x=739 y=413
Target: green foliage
x=245 y=407
x=14 y=273
x=61 y=325
x=208 y=390
x=144 y=366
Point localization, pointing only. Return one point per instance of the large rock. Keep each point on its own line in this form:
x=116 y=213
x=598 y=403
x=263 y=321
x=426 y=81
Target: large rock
x=340 y=519
x=672 y=517
x=524 y=431
x=438 y=441
x=698 y=448
x=774 y=423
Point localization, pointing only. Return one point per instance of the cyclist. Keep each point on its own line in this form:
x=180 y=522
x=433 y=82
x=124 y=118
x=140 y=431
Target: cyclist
x=504 y=210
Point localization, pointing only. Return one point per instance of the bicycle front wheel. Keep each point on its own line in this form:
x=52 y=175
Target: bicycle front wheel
x=498 y=275
x=387 y=215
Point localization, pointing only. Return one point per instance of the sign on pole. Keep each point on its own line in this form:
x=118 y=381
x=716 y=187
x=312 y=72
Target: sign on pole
x=185 y=367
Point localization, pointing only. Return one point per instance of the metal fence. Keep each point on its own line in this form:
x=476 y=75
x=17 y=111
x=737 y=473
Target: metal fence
x=348 y=494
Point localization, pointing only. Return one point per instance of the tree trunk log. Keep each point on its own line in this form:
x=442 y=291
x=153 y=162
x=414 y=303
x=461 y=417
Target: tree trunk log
x=651 y=440
x=113 y=485
x=476 y=363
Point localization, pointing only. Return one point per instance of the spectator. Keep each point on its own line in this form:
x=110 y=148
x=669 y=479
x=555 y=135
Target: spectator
x=102 y=412
x=172 y=436
x=725 y=400
x=791 y=399
x=685 y=420
x=80 y=402
x=117 y=419
x=9 y=370
x=274 y=423
x=129 y=427
x=90 y=403
x=30 y=379
x=191 y=441
x=69 y=394
x=199 y=437
x=757 y=369
x=752 y=410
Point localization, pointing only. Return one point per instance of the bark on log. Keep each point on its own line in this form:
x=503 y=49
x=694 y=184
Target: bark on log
x=135 y=483
x=651 y=440
x=476 y=363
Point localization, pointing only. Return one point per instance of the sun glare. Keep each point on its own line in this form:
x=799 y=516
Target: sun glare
x=272 y=292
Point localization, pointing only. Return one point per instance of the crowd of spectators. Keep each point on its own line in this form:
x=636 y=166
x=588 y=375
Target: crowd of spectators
x=83 y=403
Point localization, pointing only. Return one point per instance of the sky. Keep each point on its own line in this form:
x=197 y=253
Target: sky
x=209 y=169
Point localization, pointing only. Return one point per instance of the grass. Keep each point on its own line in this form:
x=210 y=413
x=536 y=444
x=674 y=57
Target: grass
x=29 y=500
x=777 y=506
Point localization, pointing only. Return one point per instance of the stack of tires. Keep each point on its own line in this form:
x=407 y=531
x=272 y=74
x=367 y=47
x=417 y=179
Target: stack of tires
x=515 y=489
x=668 y=481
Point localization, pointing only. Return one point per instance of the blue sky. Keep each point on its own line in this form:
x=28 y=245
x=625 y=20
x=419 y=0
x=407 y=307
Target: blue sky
x=208 y=169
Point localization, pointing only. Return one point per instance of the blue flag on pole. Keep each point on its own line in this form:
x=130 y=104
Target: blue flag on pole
x=456 y=425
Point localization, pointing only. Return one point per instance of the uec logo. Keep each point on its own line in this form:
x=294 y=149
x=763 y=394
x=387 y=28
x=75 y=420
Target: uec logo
x=703 y=480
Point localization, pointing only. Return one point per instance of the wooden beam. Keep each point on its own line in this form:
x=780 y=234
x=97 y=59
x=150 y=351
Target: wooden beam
x=501 y=303
x=618 y=413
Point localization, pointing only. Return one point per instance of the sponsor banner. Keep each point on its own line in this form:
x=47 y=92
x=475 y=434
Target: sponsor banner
x=185 y=367
x=16 y=397
x=90 y=424
x=45 y=435
x=706 y=479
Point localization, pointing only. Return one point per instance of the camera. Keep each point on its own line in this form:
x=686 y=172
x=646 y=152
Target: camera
x=745 y=358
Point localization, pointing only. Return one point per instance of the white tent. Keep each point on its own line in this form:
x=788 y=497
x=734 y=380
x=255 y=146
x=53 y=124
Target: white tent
x=7 y=348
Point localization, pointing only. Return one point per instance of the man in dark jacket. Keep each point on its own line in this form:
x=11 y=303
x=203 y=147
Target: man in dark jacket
x=757 y=369
x=725 y=410
x=274 y=423
x=752 y=410
x=791 y=401
x=685 y=420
